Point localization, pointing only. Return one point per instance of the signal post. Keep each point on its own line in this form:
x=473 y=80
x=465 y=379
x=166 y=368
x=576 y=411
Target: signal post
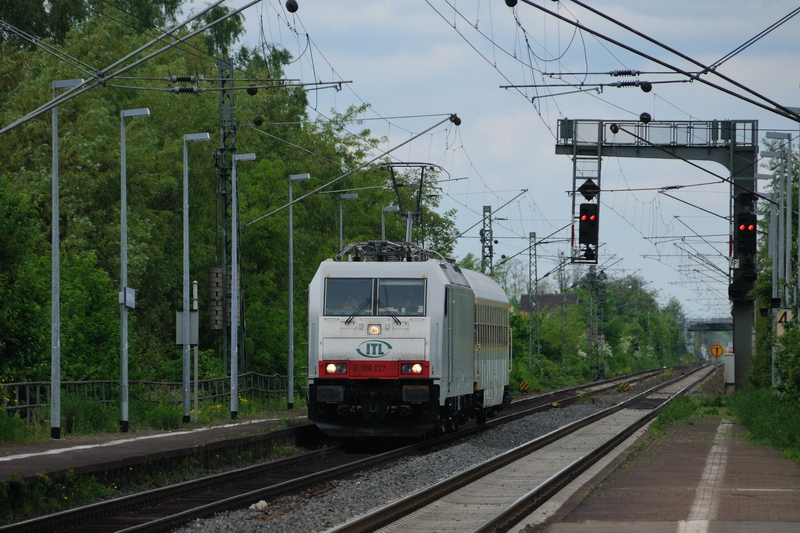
x=731 y=143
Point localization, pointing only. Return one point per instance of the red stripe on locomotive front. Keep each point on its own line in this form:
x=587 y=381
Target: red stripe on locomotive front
x=374 y=369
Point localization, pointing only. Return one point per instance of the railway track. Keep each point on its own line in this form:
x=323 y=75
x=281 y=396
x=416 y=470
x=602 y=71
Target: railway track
x=496 y=495
x=166 y=508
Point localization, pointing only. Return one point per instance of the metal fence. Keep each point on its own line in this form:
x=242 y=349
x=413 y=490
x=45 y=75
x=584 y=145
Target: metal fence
x=28 y=398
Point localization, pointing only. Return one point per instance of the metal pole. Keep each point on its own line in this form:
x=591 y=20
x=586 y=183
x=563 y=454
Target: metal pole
x=384 y=210
x=186 y=311
x=290 y=353
x=123 y=282
x=290 y=391
x=773 y=241
x=538 y=314
x=55 y=279
x=531 y=244
x=341 y=197
x=123 y=262
x=196 y=362
x=235 y=284
x=787 y=251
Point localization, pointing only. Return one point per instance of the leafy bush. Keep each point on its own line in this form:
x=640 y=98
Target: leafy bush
x=15 y=429
x=23 y=499
x=164 y=416
x=788 y=363
x=85 y=416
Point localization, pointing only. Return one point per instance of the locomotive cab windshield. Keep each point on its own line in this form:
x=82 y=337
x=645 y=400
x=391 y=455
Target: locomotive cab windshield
x=374 y=297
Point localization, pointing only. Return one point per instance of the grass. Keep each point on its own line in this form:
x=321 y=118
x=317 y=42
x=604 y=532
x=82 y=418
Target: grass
x=22 y=499
x=685 y=408
x=86 y=417
x=770 y=419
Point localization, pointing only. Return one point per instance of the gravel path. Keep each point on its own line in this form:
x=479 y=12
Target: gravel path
x=324 y=508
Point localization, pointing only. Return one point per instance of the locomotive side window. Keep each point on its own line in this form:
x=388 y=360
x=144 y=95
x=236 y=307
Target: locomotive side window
x=401 y=297
x=347 y=296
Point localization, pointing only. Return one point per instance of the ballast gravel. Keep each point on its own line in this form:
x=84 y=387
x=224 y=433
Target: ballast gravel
x=325 y=507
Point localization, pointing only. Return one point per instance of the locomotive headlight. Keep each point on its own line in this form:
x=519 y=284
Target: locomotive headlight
x=374 y=329
x=411 y=368
x=336 y=368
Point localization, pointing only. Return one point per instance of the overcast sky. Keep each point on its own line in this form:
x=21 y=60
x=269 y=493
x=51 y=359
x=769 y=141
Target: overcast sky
x=428 y=58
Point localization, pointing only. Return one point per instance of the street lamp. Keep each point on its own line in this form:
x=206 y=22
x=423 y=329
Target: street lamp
x=384 y=210
x=186 y=312
x=235 y=284
x=127 y=296
x=55 y=280
x=290 y=392
x=343 y=197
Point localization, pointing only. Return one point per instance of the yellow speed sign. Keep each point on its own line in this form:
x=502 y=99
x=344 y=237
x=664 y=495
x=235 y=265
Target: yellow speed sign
x=717 y=350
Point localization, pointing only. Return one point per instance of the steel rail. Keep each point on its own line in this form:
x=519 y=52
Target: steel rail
x=398 y=509
x=134 y=502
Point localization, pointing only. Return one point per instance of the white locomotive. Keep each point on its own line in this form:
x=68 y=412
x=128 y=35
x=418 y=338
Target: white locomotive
x=403 y=344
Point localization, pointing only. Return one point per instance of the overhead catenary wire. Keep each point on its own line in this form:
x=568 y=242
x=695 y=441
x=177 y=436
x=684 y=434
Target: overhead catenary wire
x=780 y=109
x=348 y=173
x=777 y=108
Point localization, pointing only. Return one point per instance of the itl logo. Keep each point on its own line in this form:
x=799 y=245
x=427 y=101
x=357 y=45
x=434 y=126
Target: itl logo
x=373 y=349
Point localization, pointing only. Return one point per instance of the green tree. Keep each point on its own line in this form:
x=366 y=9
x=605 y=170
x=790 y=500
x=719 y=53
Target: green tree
x=52 y=19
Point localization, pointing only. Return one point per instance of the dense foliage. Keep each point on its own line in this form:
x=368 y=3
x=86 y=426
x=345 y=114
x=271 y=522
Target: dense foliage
x=599 y=327
x=628 y=329
x=285 y=142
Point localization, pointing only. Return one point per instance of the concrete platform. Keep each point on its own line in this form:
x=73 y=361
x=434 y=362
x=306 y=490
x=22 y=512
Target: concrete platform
x=700 y=477
x=125 y=454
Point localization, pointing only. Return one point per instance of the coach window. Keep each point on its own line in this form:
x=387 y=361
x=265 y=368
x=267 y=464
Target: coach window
x=345 y=296
x=403 y=297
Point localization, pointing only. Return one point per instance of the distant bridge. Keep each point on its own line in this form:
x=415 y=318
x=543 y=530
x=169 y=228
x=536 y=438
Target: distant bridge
x=709 y=324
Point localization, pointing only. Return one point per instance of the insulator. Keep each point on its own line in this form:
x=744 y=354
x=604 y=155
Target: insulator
x=625 y=73
x=183 y=79
x=178 y=90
